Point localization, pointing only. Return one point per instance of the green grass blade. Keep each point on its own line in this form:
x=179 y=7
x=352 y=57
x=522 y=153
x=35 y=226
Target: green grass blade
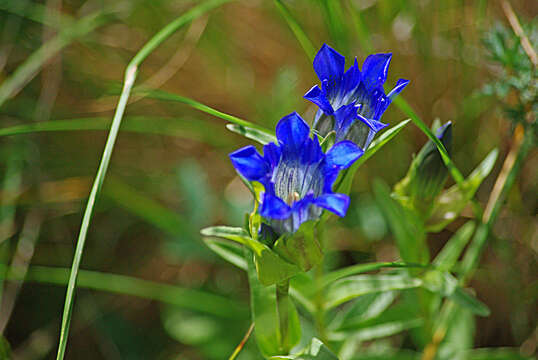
x=130 y=77
x=31 y=66
x=331 y=277
x=297 y=30
x=163 y=95
x=345 y=185
x=253 y=134
x=354 y=286
x=126 y=285
x=450 y=253
x=187 y=128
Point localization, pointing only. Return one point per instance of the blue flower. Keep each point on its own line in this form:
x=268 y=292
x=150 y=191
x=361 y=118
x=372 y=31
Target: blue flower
x=351 y=102
x=296 y=174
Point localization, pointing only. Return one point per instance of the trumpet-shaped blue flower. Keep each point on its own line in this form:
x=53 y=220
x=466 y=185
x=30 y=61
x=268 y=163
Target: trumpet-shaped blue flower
x=296 y=174
x=351 y=102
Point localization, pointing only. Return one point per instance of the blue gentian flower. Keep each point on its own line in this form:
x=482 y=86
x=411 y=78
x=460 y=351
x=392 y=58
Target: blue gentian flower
x=351 y=102
x=296 y=174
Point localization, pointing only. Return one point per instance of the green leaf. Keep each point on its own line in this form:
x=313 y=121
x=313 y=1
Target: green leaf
x=349 y=288
x=230 y=252
x=316 y=350
x=446 y=285
x=366 y=307
x=236 y=234
x=361 y=268
x=186 y=128
x=459 y=337
x=301 y=248
x=345 y=184
x=251 y=133
x=448 y=256
x=451 y=202
x=265 y=316
x=407 y=228
x=272 y=268
x=167 y=96
x=5 y=349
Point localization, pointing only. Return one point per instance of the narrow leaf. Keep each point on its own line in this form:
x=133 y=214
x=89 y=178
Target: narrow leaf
x=450 y=253
x=254 y=134
x=349 y=288
x=230 y=252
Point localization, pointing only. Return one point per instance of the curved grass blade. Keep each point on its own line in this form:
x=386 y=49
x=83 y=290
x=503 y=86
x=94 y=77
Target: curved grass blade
x=351 y=287
x=130 y=77
x=163 y=95
x=362 y=268
x=253 y=134
x=126 y=285
x=345 y=184
x=297 y=30
x=191 y=129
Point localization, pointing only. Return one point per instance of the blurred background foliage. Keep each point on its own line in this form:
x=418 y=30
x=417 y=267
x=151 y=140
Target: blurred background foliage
x=170 y=174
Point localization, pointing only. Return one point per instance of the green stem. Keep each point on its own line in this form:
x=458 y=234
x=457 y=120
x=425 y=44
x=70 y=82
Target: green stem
x=130 y=77
x=282 y=304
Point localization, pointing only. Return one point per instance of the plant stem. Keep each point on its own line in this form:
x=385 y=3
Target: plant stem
x=282 y=304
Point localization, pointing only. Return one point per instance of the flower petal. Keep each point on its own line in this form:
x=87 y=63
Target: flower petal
x=271 y=153
x=400 y=85
x=372 y=124
x=274 y=208
x=328 y=63
x=292 y=131
x=336 y=203
x=375 y=69
x=345 y=117
x=317 y=96
x=249 y=163
x=343 y=154
x=351 y=78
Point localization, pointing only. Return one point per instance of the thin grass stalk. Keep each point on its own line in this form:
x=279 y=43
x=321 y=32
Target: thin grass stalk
x=130 y=77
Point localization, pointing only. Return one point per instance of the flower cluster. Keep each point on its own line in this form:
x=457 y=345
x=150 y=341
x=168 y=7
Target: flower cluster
x=295 y=172
x=351 y=102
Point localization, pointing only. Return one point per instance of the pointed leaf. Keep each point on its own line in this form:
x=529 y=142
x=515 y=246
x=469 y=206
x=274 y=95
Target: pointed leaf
x=354 y=286
x=251 y=133
x=451 y=202
x=229 y=251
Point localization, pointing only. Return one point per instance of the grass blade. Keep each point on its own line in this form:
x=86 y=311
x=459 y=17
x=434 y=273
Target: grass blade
x=187 y=128
x=126 y=285
x=163 y=95
x=297 y=30
x=130 y=77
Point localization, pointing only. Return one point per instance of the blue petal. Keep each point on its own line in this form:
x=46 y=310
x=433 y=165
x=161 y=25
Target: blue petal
x=444 y=133
x=351 y=78
x=271 y=153
x=274 y=208
x=345 y=117
x=249 y=163
x=328 y=63
x=292 y=131
x=311 y=152
x=375 y=69
x=372 y=124
x=317 y=96
x=336 y=203
x=343 y=154
x=400 y=85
